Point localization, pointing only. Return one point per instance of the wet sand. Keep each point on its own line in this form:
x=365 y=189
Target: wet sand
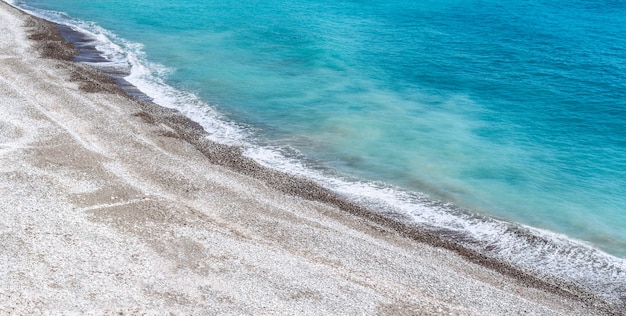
x=111 y=204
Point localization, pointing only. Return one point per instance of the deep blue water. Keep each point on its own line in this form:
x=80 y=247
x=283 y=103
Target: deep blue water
x=511 y=111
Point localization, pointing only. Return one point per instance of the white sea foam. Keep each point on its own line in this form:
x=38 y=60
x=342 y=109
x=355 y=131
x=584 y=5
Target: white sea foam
x=147 y=76
x=540 y=251
x=537 y=250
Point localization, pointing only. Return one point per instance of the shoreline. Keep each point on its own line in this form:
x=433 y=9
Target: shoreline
x=232 y=157
x=179 y=129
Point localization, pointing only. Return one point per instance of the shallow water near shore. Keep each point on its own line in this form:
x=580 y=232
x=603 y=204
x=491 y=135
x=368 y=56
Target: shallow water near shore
x=500 y=111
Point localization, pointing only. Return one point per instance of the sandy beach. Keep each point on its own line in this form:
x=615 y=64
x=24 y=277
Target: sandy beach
x=110 y=205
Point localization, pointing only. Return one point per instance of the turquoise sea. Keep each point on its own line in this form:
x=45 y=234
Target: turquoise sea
x=501 y=121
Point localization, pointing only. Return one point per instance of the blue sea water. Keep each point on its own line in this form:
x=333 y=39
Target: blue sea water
x=482 y=117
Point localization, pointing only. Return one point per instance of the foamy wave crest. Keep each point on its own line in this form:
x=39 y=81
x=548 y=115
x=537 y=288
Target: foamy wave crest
x=102 y=39
x=541 y=252
x=148 y=77
x=128 y=58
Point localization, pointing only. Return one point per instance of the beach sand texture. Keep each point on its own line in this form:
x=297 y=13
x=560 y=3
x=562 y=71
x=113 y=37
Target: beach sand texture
x=111 y=205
